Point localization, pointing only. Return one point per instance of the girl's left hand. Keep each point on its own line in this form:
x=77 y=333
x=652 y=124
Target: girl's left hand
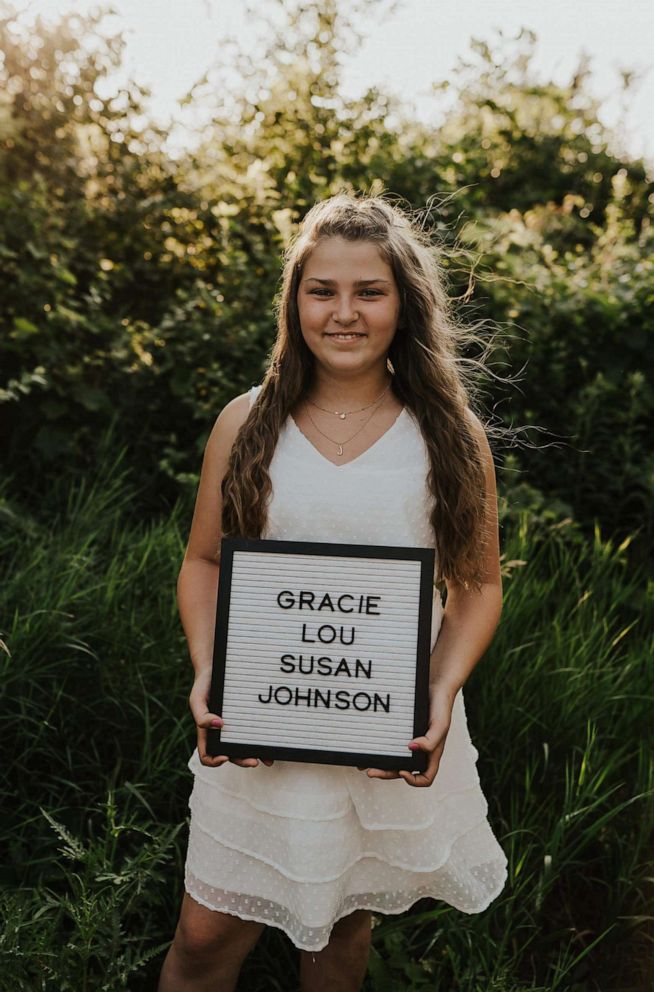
x=441 y=702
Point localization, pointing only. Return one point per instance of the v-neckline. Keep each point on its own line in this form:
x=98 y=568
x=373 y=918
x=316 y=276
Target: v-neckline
x=324 y=458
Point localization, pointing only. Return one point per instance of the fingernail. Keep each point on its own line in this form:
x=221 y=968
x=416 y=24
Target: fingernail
x=414 y=747
x=216 y=723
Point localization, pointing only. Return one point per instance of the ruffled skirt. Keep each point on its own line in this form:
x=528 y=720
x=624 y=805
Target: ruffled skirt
x=298 y=845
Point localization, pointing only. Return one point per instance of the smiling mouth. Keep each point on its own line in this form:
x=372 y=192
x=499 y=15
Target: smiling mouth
x=346 y=337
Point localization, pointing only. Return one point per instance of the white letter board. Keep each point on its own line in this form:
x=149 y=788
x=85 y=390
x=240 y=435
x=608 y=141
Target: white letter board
x=321 y=652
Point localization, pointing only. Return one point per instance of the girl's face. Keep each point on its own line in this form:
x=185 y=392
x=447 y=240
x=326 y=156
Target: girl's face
x=346 y=287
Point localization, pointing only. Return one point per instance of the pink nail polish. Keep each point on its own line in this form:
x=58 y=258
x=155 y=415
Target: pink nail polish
x=414 y=747
x=216 y=723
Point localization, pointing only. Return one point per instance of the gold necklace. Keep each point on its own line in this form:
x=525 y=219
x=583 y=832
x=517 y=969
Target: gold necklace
x=343 y=414
x=339 y=444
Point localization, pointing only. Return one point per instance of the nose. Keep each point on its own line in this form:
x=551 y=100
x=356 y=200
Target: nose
x=344 y=312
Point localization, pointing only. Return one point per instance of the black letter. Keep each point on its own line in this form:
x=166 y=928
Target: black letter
x=308 y=640
x=351 y=640
x=283 y=702
x=325 y=702
x=324 y=665
x=302 y=668
x=287 y=666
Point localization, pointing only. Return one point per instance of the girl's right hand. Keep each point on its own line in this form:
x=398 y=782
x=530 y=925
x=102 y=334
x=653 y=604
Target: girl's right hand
x=199 y=705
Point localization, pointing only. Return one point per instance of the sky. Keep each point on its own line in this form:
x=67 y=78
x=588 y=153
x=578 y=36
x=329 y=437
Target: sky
x=170 y=44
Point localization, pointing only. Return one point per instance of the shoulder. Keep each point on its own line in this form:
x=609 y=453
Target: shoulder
x=479 y=433
x=234 y=413
x=227 y=425
x=205 y=533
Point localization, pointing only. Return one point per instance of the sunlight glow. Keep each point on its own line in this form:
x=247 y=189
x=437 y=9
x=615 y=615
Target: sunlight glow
x=170 y=45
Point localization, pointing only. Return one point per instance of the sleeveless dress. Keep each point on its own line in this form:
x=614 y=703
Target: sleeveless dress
x=297 y=845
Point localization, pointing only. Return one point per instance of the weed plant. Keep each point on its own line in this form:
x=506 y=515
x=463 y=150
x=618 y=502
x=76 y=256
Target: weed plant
x=96 y=736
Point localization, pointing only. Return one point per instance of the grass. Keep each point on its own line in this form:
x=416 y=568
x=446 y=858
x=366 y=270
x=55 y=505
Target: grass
x=96 y=734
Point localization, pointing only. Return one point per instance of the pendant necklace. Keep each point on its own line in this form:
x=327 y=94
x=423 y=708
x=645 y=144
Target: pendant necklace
x=343 y=414
x=339 y=444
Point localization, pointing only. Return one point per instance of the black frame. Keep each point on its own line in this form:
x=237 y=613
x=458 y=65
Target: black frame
x=416 y=760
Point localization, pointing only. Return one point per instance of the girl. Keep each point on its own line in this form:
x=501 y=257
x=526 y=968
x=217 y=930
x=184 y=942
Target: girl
x=361 y=432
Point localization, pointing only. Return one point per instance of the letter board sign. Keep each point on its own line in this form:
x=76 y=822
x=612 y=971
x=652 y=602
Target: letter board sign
x=321 y=652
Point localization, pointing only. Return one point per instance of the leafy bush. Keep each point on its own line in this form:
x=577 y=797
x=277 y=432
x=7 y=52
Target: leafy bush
x=137 y=290
x=96 y=734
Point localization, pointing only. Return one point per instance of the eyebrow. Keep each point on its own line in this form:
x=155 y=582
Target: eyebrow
x=359 y=282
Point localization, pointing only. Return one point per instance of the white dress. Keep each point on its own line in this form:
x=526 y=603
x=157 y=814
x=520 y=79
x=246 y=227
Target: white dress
x=298 y=845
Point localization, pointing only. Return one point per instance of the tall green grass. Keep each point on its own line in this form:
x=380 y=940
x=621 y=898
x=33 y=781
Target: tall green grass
x=96 y=734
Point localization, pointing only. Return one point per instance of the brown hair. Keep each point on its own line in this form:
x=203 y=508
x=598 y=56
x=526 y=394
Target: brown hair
x=428 y=376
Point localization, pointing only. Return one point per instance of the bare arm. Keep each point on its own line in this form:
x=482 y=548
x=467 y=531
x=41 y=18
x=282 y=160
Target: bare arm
x=469 y=622
x=470 y=618
x=197 y=582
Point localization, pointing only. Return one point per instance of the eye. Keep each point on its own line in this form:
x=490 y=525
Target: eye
x=319 y=292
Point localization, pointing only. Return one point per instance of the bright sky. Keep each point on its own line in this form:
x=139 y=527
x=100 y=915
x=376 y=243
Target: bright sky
x=170 y=43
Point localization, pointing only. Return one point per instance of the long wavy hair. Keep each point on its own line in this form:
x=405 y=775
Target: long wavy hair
x=429 y=376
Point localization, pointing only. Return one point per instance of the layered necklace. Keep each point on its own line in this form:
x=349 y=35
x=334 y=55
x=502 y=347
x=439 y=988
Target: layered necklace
x=342 y=414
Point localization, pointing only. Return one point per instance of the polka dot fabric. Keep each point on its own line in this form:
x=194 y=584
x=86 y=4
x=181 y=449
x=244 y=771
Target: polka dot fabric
x=297 y=845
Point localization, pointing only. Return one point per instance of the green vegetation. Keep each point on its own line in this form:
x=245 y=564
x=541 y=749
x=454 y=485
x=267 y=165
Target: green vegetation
x=96 y=736
x=136 y=298
x=138 y=288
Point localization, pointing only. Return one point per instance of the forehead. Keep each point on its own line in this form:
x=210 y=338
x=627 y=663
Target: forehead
x=336 y=258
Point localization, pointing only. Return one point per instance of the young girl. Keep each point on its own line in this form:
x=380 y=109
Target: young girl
x=361 y=432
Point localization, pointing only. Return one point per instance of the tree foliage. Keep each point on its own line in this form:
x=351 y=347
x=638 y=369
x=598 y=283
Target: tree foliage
x=136 y=288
